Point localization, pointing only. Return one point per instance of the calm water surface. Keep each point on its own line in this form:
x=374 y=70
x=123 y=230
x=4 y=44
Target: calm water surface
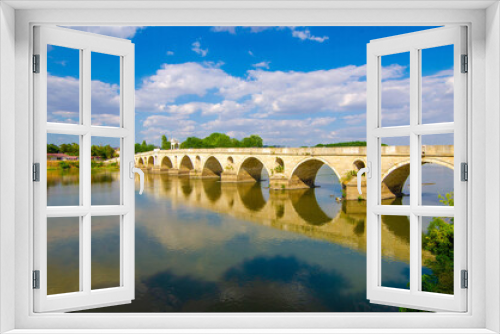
x=207 y=246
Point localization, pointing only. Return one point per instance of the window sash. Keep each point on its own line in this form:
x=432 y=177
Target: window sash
x=413 y=43
x=86 y=297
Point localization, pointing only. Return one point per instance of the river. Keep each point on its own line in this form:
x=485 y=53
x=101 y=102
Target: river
x=207 y=246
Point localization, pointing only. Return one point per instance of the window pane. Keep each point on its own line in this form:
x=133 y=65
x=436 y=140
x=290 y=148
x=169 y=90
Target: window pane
x=105 y=252
x=395 y=89
x=437 y=84
x=395 y=170
x=63 y=170
x=63 y=85
x=437 y=169
x=105 y=89
x=63 y=255
x=395 y=244
x=437 y=254
x=105 y=171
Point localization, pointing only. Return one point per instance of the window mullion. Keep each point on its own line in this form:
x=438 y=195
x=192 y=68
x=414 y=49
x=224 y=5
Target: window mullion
x=414 y=168
x=85 y=166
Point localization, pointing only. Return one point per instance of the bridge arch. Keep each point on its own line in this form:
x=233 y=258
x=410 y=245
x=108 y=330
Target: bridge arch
x=251 y=170
x=151 y=162
x=358 y=164
x=394 y=179
x=279 y=165
x=212 y=168
x=166 y=163
x=186 y=163
x=140 y=163
x=304 y=173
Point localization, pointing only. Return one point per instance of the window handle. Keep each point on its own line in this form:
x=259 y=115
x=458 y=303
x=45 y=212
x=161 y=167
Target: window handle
x=133 y=170
x=362 y=171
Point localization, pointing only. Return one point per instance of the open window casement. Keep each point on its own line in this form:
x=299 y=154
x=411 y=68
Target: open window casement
x=419 y=127
x=77 y=220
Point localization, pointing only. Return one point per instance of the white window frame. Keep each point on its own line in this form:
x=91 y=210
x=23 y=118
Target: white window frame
x=86 y=43
x=414 y=43
x=483 y=250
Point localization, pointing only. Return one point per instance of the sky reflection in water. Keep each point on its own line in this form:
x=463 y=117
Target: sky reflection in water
x=206 y=246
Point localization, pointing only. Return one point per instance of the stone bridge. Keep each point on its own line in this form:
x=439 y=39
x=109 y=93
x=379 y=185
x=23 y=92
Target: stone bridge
x=291 y=168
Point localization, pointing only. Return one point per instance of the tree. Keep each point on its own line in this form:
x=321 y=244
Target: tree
x=217 y=140
x=192 y=142
x=52 y=148
x=252 y=141
x=164 y=143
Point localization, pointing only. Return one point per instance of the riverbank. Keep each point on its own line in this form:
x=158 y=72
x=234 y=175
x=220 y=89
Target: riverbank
x=68 y=165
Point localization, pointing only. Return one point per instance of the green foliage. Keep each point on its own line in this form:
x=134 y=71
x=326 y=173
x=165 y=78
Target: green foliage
x=221 y=140
x=439 y=241
x=51 y=148
x=348 y=176
x=105 y=152
x=192 y=142
x=345 y=144
x=164 y=143
x=144 y=147
x=72 y=149
x=279 y=169
x=64 y=165
x=252 y=141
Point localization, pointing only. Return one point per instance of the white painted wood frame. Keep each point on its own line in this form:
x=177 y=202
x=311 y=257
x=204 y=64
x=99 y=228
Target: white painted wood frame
x=86 y=43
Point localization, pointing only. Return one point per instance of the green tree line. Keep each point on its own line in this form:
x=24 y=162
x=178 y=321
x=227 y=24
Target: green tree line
x=345 y=144
x=73 y=149
x=216 y=140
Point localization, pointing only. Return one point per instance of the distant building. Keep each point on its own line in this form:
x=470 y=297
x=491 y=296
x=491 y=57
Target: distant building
x=117 y=152
x=174 y=144
x=61 y=157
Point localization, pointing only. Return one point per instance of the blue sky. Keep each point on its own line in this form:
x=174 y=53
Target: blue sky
x=292 y=86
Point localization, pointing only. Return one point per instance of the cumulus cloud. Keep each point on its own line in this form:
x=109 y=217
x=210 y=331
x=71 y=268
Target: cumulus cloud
x=196 y=47
x=63 y=96
x=297 y=32
x=113 y=31
x=174 y=80
x=306 y=35
x=262 y=64
x=284 y=107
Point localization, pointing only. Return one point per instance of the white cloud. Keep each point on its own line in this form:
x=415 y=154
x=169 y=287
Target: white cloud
x=262 y=64
x=283 y=107
x=113 y=31
x=306 y=35
x=355 y=119
x=63 y=94
x=170 y=53
x=231 y=30
x=251 y=53
x=175 y=80
x=196 y=47
x=297 y=32
x=156 y=125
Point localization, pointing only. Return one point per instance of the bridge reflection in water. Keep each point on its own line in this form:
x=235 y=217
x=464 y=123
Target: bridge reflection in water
x=207 y=246
x=295 y=211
